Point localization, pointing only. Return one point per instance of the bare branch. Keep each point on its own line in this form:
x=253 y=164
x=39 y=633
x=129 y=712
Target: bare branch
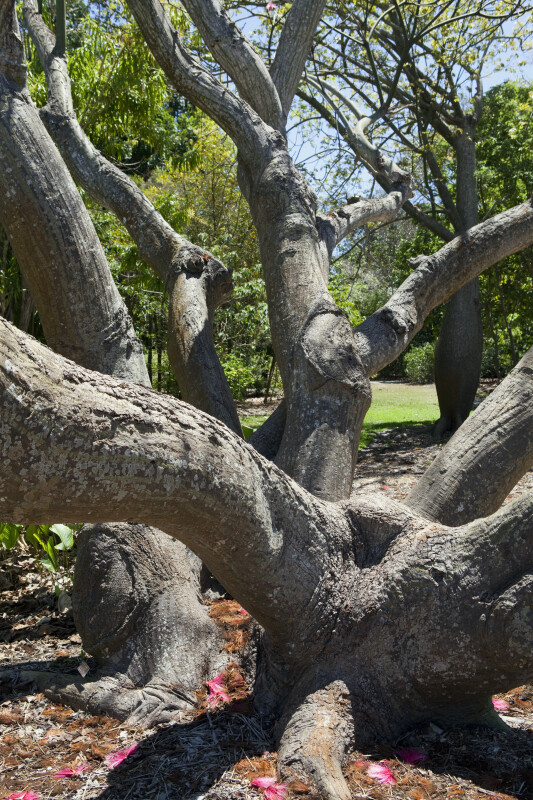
x=80 y=444
x=232 y=50
x=336 y=225
x=293 y=48
x=387 y=332
x=192 y=276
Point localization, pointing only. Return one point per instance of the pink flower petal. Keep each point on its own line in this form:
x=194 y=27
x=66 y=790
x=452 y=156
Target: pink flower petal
x=263 y=783
x=273 y=790
x=81 y=768
x=112 y=760
x=411 y=755
x=381 y=773
x=64 y=773
x=217 y=691
x=24 y=796
x=215 y=699
x=499 y=705
x=276 y=792
x=270 y=6
x=217 y=683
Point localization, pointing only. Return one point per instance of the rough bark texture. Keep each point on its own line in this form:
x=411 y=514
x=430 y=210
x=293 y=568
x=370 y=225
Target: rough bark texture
x=85 y=319
x=58 y=250
x=394 y=619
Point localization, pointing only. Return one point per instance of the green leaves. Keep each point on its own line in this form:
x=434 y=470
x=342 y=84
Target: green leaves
x=65 y=535
x=9 y=535
x=50 y=540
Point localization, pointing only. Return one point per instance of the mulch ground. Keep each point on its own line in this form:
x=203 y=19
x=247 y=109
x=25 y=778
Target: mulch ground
x=214 y=755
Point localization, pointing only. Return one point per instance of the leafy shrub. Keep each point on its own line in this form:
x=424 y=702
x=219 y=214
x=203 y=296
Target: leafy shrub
x=419 y=363
x=53 y=541
x=240 y=375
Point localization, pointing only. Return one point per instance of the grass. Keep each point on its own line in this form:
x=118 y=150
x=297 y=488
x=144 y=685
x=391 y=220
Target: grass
x=397 y=405
x=394 y=405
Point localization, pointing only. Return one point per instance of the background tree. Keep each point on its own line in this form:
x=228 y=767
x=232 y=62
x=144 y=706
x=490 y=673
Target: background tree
x=373 y=636
x=419 y=70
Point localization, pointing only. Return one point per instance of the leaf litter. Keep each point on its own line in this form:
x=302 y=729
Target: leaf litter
x=222 y=751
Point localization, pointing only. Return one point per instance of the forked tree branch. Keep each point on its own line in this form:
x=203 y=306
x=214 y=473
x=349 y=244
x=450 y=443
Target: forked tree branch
x=293 y=48
x=387 y=332
x=234 y=116
x=232 y=50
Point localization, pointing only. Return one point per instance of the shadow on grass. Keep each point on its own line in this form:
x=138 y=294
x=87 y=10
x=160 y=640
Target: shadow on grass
x=412 y=427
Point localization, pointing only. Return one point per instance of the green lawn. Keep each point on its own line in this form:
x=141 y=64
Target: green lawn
x=399 y=404
x=393 y=405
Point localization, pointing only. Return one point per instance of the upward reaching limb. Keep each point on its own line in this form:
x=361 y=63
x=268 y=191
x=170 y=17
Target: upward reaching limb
x=473 y=474
x=151 y=583
x=293 y=49
x=387 y=332
x=235 y=117
x=57 y=247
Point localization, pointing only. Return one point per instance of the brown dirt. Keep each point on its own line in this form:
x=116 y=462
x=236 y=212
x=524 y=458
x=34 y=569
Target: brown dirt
x=214 y=755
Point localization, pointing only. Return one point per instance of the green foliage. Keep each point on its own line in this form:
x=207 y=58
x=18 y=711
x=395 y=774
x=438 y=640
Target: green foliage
x=121 y=97
x=345 y=295
x=240 y=375
x=51 y=542
x=419 y=363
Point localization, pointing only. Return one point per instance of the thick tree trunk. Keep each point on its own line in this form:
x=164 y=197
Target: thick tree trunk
x=383 y=631
x=460 y=344
x=85 y=319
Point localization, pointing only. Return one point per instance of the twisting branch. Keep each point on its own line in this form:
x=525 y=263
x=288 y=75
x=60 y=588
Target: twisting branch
x=186 y=269
x=232 y=50
x=106 y=449
x=293 y=48
x=387 y=332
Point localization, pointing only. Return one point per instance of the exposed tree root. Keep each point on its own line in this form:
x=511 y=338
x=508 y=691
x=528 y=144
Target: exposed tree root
x=315 y=738
x=147 y=706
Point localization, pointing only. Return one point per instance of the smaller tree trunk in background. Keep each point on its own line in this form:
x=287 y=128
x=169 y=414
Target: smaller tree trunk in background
x=459 y=348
